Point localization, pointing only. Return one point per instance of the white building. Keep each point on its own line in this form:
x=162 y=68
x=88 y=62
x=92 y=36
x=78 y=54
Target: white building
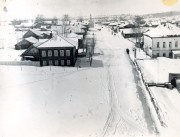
x=162 y=40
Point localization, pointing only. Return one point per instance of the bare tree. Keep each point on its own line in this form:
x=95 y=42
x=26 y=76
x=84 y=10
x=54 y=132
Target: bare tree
x=80 y=19
x=65 y=23
x=39 y=18
x=138 y=21
x=54 y=20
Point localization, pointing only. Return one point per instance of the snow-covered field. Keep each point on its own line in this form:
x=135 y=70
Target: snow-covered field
x=8 y=38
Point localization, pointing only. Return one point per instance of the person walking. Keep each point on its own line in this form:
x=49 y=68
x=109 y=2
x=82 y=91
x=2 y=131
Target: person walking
x=127 y=51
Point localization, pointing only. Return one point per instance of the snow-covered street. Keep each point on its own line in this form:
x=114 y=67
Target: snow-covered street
x=105 y=100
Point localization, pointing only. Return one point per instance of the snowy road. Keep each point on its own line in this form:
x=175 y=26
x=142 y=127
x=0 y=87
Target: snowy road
x=104 y=100
x=128 y=112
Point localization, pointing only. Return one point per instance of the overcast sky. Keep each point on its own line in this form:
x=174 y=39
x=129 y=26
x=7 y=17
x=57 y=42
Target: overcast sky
x=51 y=8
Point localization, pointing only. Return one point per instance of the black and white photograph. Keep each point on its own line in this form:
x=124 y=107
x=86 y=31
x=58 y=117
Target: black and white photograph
x=89 y=68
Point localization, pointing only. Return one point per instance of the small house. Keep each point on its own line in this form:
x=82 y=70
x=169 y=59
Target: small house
x=38 y=34
x=33 y=33
x=133 y=32
x=32 y=53
x=26 y=43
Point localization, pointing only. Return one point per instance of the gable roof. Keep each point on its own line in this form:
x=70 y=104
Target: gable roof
x=31 y=40
x=72 y=35
x=58 y=41
x=36 y=32
x=134 y=30
x=32 y=50
x=166 y=30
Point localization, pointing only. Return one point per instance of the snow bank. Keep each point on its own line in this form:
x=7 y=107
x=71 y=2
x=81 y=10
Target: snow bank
x=10 y=54
x=157 y=70
x=168 y=101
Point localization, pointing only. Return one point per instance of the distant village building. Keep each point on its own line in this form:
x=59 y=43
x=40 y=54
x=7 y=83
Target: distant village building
x=58 y=51
x=33 y=33
x=162 y=41
x=133 y=32
x=38 y=34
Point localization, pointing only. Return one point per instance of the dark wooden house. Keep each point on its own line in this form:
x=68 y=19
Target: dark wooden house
x=33 y=33
x=38 y=34
x=58 y=51
x=32 y=53
x=133 y=32
x=26 y=43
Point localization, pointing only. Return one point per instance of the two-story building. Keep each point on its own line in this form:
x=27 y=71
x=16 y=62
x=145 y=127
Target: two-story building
x=58 y=51
x=162 y=40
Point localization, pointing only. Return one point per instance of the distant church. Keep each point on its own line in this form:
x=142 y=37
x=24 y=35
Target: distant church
x=91 y=22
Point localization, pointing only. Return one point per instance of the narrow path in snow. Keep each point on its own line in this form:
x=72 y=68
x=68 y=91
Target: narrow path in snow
x=128 y=112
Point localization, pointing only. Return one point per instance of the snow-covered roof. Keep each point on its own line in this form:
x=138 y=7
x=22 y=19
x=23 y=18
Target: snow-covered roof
x=113 y=24
x=27 y=24
x=92 y=29
x=76 y=29
x=72 y=35
x=89 y=36
x=134 y=30
x=59 y=41
x=31 y=40
x=167 y=30
x=35 y=31
x=48 y=22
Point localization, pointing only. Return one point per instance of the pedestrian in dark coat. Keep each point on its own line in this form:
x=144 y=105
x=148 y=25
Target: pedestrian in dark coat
x=173 y=82
x=127 y=51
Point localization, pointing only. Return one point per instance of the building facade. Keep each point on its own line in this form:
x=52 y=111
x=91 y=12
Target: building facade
x=57 y=56
x=58 y=51
x=162 y=41
x=161 y=47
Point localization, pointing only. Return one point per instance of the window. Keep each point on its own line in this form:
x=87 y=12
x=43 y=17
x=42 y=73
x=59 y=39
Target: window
x=170 y=44
x=157 y=54
x=164 y=54
x=68 y=62
x=50 y=63
x=50 y=53
x=43 y=53
x=62 y=62
x=164 y=44
x=44 y=63
x=56 y=63
x=61 y=52
x=157 y=44
x=55 y=53
x=176 y=44
x=67 y=52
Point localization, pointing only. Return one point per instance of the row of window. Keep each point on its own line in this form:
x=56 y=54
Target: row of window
x=164 y=54
x=170 y=44
x=56 y=53
x=56 y=62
